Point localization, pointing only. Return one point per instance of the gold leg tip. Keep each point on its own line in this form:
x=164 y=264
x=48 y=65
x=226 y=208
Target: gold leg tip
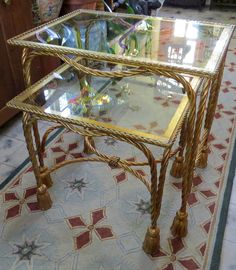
x=43 y=197
x=152 y=240
x=179 y=226
x=177 y=167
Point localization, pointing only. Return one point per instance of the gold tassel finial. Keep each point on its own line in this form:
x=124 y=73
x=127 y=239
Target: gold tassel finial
x=177 y=167
x=46 y=177
x=152 y=240
x=43 y=197
x=180 y=224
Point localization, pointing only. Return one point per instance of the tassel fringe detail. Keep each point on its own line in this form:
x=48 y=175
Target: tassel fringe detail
x=180 y=224
x=43 y=197
x=152 y=240
x=177 y=167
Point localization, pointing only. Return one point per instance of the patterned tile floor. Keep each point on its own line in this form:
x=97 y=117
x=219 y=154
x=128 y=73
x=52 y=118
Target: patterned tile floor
x=13 y=151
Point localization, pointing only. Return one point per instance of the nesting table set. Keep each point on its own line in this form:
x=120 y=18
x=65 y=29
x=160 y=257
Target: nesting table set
x=116 y=68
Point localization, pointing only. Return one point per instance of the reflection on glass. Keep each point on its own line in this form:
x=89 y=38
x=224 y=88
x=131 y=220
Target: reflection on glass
x=180 y=28
x=125 y=102
x=190 y=56
x=149 y=39
x=192 y=31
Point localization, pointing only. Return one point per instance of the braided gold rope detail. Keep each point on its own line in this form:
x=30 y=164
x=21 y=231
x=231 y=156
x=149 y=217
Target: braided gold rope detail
x=211 y=108
x=87 y=133
x=188 y=171
x=44 y=138
x=182 y=140
x=27 y=57
x=27 y=124
x=162 y=176
x=37 y=142
x=177 y=77
x=89 y=129
x=153 y=172
x=96 y=72
x=120 y=163
x=177 y=166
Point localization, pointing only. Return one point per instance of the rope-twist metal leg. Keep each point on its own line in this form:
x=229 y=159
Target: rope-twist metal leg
x=211 y=108
x=27 y=58
x=177 y=166
x=180 y=224
x=43 y=196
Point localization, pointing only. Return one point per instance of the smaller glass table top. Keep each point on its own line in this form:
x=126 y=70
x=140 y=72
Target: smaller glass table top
x=178 y=43
x=145 y=105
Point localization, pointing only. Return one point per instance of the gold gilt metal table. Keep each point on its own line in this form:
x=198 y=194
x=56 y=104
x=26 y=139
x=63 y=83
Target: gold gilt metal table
x=117 y=67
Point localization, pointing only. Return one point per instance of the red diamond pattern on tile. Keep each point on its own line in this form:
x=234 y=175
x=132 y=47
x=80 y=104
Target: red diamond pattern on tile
x=211 y=138
x=189 y=263
x=29 y=170
x=60 y=159
x=227 y=83
x=177 y=185
x=83 y=239
x=76 y=222
x=141 y=172
x=72 y=146
x=206 y=226
x=13 y=211
x=193 y=199
x=104 y=232
x=197 y=180
x=30 y=192
x=207 y=193
x=97 y=216
x=176 y=245
x=211 y=207
x=121 y=177
x=60 y=140
x=224 y=156
x=11 y=196
x=229 y=112
x=217 y=184
x=57 y=149
x=159 y=253
x=202 y=249
x=33 y=206
x=225 y=90
x=220 y=168
x=219 y=146
x=77 y=155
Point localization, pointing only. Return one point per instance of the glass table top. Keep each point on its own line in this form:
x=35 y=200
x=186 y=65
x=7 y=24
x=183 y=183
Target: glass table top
x=147 y=105
x=181 y=43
